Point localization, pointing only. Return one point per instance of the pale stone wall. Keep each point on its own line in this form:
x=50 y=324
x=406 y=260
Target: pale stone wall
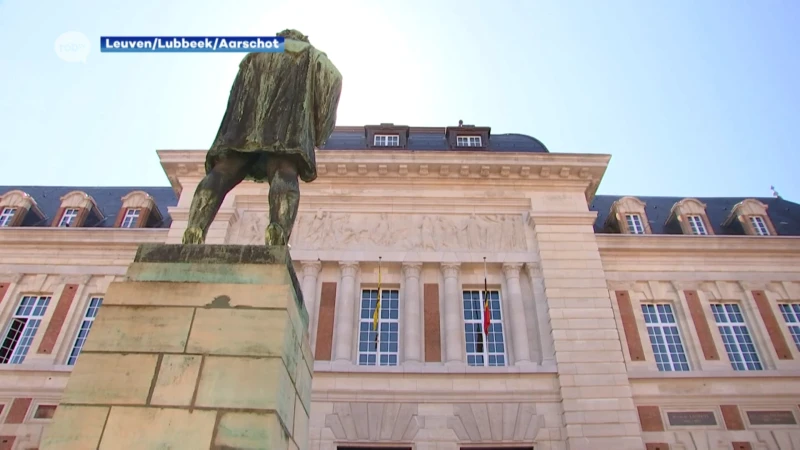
x=569 y=381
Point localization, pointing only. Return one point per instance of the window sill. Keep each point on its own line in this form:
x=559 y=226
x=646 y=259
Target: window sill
x=705 y=374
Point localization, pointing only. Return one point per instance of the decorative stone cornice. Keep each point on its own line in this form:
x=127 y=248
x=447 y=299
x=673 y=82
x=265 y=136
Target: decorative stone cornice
x=562 y=218
x=55 y=237
x=547 y=169
x=690 y=245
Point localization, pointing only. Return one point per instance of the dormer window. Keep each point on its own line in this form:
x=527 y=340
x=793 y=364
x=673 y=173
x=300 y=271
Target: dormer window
x=697 y=226
x=635 y=225
x=468 y=141
x=68 y=217
x=7 y=217
x=386 y=140
x=759 y=225
x=131 y=218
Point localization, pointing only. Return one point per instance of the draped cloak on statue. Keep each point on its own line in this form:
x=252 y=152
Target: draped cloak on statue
x=280 y=104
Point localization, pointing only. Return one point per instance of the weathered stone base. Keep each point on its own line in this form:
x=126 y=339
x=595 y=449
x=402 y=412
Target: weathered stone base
x=203 y=347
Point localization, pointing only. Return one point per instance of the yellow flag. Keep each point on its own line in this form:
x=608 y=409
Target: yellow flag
x=377 y=313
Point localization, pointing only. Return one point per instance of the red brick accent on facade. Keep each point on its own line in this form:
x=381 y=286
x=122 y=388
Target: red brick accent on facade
x=18 y=411
x=3 y=289
x=650 y=418
x=433 y=335
x=57 y=217
x=327 y=312
x=741 y=446
x=7 y=442
x=732 y=417
x=701 y=326
x=629 y=326
x=773 y=327
x=57 y=321
x=656 y=446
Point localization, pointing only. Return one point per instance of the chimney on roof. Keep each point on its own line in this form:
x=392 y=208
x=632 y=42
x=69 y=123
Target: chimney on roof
x=460 y=122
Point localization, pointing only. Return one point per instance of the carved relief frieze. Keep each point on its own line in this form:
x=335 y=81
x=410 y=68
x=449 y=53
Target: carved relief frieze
x=339 y=230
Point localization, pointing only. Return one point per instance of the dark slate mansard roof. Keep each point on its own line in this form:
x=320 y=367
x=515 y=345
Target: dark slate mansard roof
x=785 y=215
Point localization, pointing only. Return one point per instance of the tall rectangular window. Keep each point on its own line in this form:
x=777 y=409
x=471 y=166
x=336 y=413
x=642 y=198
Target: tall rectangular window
x=386 y=140
x=697 y=225
x=68 y=217
x=379 y=349
x=665 y=338
x=83 y=331
x=635 y=225
x=131 y=218
x=468 y=141
x=7 y=216
x=736 y=337
x=480 y=350
x=759 y=226
x=791 y=315
x=22 y=329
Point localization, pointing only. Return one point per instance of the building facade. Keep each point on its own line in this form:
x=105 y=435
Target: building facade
x=616 y=322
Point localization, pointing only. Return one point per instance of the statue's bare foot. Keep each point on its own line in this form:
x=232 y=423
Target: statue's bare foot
x=275 y=235
x=193 y=235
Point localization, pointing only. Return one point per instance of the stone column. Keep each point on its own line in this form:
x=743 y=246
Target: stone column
x=345 y=312
x=310 y=273
x=519 y=333
x=542 y=314
x=411 y=313
x=453 y=313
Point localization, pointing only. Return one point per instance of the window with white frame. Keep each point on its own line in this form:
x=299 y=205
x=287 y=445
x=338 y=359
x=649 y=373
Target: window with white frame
x=480 y=350
x=379 y=348
x=665 y=338
x=7 y=216
x=22 y=329
x=635 y=225
x=131 y=218
x=736 y=337
x=696 y=224
x=468 y=141
x=68 y=217
x=759 y=226
x=791 y=315
x=386 y=140
x=83 y=331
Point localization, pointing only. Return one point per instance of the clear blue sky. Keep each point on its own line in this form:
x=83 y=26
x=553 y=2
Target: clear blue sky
x=690 y=98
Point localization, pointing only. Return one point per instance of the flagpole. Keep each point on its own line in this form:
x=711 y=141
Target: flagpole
x=487 y=318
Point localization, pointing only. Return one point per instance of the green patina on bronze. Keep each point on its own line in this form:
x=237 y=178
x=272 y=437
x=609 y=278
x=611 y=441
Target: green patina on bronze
x=237 y=264
x=281 y=106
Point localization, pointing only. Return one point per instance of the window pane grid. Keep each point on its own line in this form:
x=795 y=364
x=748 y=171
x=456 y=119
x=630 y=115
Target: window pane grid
x=6 y=216
x=468 y=141
x=791 y=315
x=383 y=350
x=759 y=226
x=386 y=140
x=130 y=219
x=494 y=352
x=697 y=225
x=736 y=337
x=665 y=338
x=22 y=329
x=83 y=331
x=635 y=223
x=69 y=215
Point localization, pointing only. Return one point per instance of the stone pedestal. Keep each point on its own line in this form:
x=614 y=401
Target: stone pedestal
x=202 y=347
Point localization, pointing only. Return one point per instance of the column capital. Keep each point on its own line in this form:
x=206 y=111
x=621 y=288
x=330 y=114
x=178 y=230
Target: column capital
x=412 y=269
x=451 y=269
x=534 y=269
x=311 y=268
x=348 y=268
x=511 y=270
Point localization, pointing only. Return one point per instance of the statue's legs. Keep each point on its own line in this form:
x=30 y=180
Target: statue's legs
x=284 y=198
x=208 y=196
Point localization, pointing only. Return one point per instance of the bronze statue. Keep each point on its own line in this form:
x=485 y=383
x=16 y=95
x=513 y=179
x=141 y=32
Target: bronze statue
x=281 y=106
